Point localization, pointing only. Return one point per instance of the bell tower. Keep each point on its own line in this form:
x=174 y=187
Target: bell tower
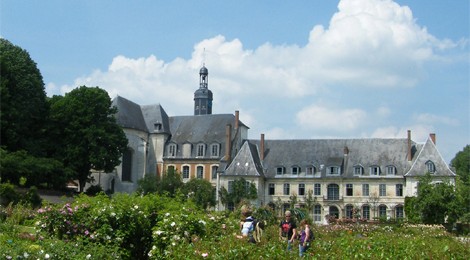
x=203 y=96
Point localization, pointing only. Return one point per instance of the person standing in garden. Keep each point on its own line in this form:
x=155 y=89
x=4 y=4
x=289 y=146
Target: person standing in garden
x=306 y=236
x=288 y=229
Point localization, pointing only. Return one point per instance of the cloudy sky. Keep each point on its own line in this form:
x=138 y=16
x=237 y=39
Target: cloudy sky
x=294 y=69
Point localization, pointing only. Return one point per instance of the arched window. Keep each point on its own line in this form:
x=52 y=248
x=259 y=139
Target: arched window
x=200 y=172
x=382 y=211
x=431 y=167
x=391 y=170
x=185 y=172
x=358 y=170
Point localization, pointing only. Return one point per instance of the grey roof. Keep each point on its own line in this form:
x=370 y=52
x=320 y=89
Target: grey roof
x=330 y=152
x=155 y=114
x=429 y=152
x=129 y=114
x=200 y=128
x=246 y=162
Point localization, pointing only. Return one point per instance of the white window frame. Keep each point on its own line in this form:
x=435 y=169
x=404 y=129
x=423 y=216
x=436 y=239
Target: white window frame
x=301 y=191
x=200 y=150
x=365 y=189
x=295 y=170
x=430 y=166
x=382 y=190
x=280 y=170
x=172 y=148
x=358 y=170
x=215 y=150
x=317 y=189
x=184 y=172
x=391 y=170
x=334 y=170
x=200 y=174
x=286 y=189
x=375 y=170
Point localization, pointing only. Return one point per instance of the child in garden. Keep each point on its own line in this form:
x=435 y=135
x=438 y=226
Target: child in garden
x=247 y=224
x=306 y=235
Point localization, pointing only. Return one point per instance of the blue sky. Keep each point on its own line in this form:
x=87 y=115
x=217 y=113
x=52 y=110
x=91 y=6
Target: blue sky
x=294 y=69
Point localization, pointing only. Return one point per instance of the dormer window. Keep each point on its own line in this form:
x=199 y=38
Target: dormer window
x=374 y=171
x=358 y=170
x=391 y=170
x=215 y=150
x=430 y=167
x=310 y=170
x=295 y=170
x=157 y=126
x=172 y=150
x=201 y=148
x=280 y=170
x=333 y=170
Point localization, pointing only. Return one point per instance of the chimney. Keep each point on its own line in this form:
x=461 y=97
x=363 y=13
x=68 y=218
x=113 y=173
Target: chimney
x=433 y=138
x=261 y=148
x=228 y=141
x=346 y=151
x=409 y=146
x=237 y=118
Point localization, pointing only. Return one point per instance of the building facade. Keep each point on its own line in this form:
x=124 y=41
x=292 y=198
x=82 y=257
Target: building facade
x=345 y=178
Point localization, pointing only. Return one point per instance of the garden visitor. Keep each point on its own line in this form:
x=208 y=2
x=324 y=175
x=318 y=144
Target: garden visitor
x=306 y=236
x=247 y=224
x=287 y=230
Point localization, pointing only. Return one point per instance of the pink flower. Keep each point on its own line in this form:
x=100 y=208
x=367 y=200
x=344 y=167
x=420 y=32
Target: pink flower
x=204 y=255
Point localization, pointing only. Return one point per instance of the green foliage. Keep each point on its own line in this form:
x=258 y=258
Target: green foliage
x=86 y=132
x=93 y=190
x=170 y=182
x=158 y=227
x=20 y=166
x=461 y=163
x=241 y=189
x=201 y=192
x=148 y=184
x=23 y=103
x=8 y=194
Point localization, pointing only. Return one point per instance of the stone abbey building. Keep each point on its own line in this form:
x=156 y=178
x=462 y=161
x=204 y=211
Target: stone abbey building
x=370 y=176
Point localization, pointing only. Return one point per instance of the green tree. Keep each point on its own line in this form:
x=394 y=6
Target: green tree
x=23 y=104
x=170 y=182
x=241 y=189
x=436 y=201
x=461 y=163
x=201 y=192
x=86 y=132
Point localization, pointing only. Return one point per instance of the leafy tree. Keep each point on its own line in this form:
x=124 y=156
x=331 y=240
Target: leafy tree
x=23 y=104
x=461 y=163
x=170 y=182
x=436 y=201
x=20 y=168
x=241 y=189
x=310 y=201
x=148 y=184
x=86 y=132
x=201 y=192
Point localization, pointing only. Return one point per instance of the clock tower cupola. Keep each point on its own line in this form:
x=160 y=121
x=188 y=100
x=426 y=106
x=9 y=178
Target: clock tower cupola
x=203 y=96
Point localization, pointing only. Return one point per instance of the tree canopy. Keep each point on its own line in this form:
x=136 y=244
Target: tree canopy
x=89 y=137
x=201 y=192
x=240 y=189
x=23 y=104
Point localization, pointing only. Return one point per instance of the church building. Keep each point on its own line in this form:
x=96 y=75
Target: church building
x=371 y=177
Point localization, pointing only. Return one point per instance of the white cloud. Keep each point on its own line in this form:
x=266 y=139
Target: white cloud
x=330 y=118
x=435 y=119
x=368 y=43
x=419 y=132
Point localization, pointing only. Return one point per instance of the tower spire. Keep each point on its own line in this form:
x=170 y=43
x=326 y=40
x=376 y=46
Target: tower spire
x=203 y=96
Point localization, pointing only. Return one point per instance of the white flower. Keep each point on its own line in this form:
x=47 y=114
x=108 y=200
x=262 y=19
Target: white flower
x=136 y=207
x=113 y=214
x=173 y=224
x=204 y=255
x=88 y=256
x=47 y=256
x=167 y=214
x=158 y=232
x=202 y=222
x=25 y=255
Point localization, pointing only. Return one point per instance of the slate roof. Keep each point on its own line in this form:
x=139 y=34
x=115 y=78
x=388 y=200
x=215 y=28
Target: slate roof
x=330 y=152
x=247 y=162
x=429 y=152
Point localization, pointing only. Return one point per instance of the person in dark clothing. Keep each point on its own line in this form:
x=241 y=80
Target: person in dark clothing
x=288 y=230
